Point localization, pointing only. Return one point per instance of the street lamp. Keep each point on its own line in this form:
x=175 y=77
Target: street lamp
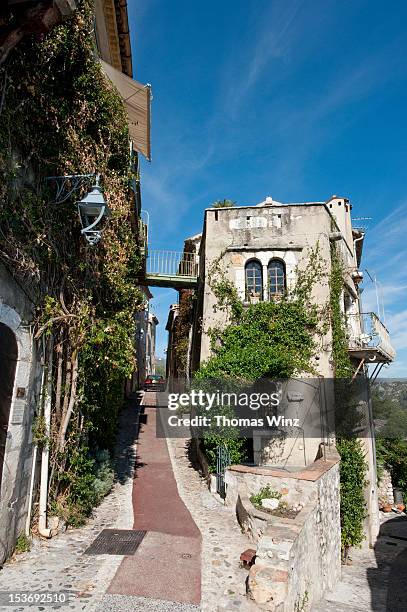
x=92 y=210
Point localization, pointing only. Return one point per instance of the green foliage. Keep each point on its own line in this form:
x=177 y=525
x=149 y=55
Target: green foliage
x=301 y=603
x=182 y=326
x=265 y=340
x=39 y=431
x=87 y=480
x=353 y=480
x=265 y=493
x=106 y=360
x=272 y=339
x=390 y=406
x=234 y=445
x=223 y=203
x=340 y=344
x=160 y=367
x=23 y=544
x=392 y=454
x=353 y=464
x=60 y=115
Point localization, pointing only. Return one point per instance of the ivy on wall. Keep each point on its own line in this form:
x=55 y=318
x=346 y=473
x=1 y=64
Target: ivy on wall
x=60 y=116
x=353 y=464
x=181 y=332
x=275 y=339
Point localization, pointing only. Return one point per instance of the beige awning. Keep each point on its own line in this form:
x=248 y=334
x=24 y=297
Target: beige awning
x=137 y=100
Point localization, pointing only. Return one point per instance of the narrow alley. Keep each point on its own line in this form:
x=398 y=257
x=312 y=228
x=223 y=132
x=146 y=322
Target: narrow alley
x=190 y=550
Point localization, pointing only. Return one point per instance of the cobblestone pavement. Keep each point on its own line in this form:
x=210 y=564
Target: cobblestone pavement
x=223 y=580
x=375 y=581
x=59 y=565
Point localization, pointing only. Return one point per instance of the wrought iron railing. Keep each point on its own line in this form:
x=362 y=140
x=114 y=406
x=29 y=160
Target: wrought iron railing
x=172 y=263
x=223 y=460
x=367 y=331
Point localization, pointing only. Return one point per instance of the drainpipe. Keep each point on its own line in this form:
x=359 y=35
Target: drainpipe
x=355 y=240
x=35 y=453
x=42 y=520
x=34 y=462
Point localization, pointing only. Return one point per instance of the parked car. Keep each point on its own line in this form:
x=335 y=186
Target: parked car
x=155 y=382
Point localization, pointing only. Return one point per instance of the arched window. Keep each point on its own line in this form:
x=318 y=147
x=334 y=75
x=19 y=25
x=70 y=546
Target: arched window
x=276 y=277
x=254 y=280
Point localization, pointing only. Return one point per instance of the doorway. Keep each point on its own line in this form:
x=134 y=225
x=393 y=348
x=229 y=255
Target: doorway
x=8 y=363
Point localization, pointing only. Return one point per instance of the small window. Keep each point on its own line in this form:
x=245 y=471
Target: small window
x=254 y=280
x=276 y=277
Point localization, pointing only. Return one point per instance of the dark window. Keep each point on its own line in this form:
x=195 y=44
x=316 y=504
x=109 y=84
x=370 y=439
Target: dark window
x=254 y=280
x=276 y=277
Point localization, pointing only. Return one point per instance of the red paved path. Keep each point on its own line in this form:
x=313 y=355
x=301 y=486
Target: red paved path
x=167 y=565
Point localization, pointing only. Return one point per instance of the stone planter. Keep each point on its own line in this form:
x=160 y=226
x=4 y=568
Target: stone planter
x=295 y=557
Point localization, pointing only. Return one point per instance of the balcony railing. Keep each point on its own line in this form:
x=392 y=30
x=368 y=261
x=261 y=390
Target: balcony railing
x=368 y=335
x=172 y=263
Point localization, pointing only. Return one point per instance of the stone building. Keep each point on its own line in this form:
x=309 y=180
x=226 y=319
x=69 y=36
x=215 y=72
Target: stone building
x=260 y=249
x=145 y=347
x=20 y=384
x=21 y=18
x=22 y=376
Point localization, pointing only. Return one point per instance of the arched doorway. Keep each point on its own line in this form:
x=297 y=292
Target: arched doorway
x=8 y=362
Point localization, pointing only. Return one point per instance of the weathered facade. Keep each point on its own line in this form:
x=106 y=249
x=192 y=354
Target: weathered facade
x=20 y=383
x=145 y=347
x=22 y=375
x=297 y=559
x=260 y=250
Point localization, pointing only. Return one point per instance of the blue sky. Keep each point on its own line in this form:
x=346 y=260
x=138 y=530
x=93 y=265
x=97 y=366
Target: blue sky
x=297 y=99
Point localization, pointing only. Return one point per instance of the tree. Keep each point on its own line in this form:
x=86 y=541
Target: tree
x=223 y=203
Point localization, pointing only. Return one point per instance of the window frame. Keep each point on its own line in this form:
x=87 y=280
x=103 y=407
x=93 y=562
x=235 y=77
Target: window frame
x=277 y=279
x=254 y=262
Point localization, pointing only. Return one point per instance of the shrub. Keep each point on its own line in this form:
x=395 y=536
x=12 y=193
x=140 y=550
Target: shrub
x=352 y=482
x=23 y=544
x=265 y=493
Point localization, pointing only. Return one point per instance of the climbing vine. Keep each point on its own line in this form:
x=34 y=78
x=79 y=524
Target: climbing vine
x=182 y=327
x=340 y=344
x=61 y=116
x=353 y=465
x=276 y=339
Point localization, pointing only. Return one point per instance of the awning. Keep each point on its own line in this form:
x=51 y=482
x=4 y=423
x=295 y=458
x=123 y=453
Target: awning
x=137 y=100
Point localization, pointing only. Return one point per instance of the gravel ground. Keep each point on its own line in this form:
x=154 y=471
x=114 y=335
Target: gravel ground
x=125 y=603
x=59 y=565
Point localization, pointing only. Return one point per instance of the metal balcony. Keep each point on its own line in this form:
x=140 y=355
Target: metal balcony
x=175 y=269
x=369 y=339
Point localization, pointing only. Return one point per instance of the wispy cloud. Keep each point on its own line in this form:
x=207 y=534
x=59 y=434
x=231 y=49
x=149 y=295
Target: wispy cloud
x=269 y=38
x=386 y=254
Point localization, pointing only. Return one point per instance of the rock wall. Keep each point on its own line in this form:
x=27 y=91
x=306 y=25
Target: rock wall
x=297 y=559
x=385 y=492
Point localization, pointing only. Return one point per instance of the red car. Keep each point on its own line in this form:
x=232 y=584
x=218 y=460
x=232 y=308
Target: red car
x=155 y=382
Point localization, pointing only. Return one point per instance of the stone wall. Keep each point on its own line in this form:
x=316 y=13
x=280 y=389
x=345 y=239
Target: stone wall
x=16 y=314
x=297 y=559
x=385 y=491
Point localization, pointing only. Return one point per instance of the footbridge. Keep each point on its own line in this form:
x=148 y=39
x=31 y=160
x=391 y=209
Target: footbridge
x=173 y=269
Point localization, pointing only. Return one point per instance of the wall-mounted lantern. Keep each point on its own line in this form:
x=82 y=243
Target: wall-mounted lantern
x=93 y=211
